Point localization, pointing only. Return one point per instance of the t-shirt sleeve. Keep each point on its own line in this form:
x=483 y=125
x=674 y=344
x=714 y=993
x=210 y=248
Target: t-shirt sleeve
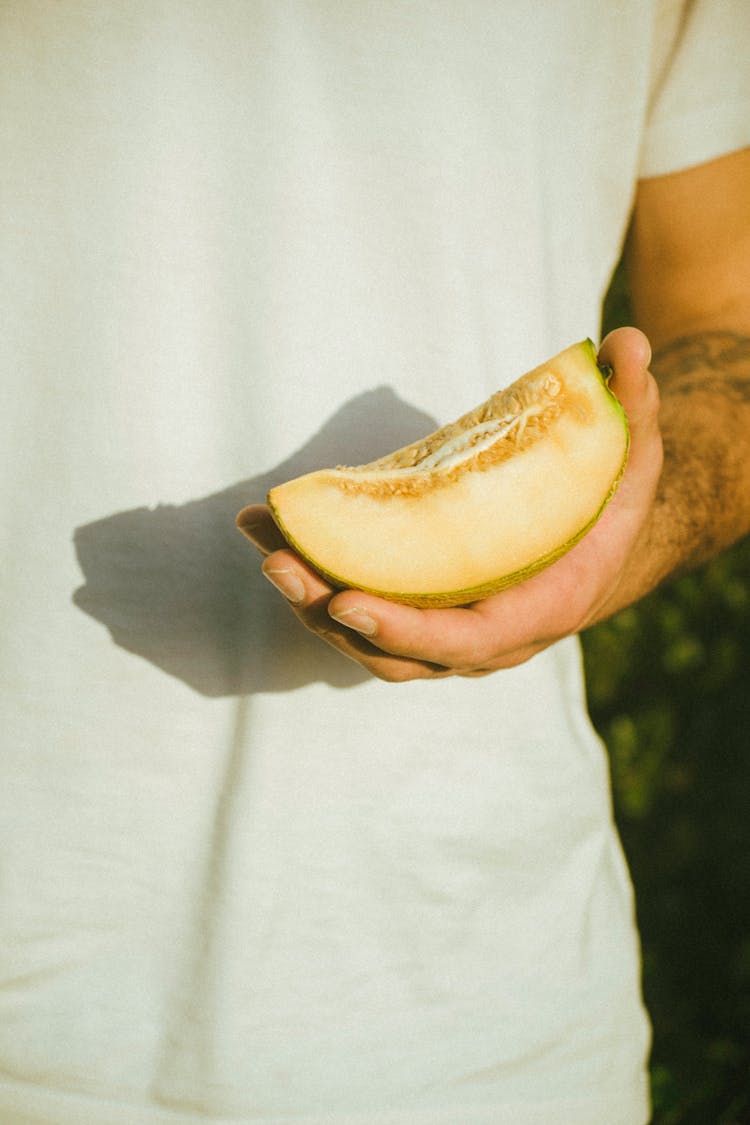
x=700 y=106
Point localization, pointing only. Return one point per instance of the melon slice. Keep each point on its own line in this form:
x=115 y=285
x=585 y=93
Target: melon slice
x=477 y=506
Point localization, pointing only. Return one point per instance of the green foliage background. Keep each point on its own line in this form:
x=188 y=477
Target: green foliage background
x=668 y=692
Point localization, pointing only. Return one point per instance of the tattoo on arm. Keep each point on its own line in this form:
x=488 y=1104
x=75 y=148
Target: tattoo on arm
x=707 y=361
x=706 y=476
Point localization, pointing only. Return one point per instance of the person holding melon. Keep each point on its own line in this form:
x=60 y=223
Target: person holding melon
x=258 y=868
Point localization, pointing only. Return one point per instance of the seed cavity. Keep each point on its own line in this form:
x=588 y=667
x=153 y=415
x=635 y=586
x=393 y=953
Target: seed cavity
x=468 y=444
x=509 y=422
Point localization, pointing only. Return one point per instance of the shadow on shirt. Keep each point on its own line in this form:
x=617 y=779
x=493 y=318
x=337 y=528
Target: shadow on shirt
x=179 y=586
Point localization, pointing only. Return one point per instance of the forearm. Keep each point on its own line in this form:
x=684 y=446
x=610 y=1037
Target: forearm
x=703 y=501
x=688 y=266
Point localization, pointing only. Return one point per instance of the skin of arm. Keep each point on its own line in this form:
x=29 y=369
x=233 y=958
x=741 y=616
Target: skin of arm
x=685 y=494
x=688 y=261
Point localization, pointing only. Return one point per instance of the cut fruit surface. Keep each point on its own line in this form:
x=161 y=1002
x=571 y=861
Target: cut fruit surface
x=475 y=507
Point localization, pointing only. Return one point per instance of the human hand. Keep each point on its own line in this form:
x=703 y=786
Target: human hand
x=596 y=578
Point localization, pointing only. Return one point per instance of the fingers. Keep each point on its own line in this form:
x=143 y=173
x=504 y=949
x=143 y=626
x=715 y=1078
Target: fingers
x=354 y=633
x=446 y=637
x=308 y=596
x=453 y=638
x=256 y=522
x=499 y=632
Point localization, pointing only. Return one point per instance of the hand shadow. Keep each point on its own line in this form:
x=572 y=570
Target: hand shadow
x=180 y=587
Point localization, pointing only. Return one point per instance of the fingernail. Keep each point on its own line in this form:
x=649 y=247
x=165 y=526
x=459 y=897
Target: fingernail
x=358 y=620
x=286 y=582
x=248 y=526
x=247 y=518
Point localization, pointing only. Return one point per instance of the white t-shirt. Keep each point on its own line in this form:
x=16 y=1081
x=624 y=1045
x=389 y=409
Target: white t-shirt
x=242 y=882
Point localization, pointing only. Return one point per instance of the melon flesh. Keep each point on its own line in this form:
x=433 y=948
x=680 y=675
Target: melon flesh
x=475 y=507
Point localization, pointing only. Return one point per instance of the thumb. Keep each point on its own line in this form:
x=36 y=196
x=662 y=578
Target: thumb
x=628 y=352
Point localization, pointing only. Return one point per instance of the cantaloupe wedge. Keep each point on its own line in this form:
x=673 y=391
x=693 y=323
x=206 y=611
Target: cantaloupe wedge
x=479 y=505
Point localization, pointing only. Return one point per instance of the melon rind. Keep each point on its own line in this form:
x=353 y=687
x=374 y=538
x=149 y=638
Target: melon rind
x=447 y=529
